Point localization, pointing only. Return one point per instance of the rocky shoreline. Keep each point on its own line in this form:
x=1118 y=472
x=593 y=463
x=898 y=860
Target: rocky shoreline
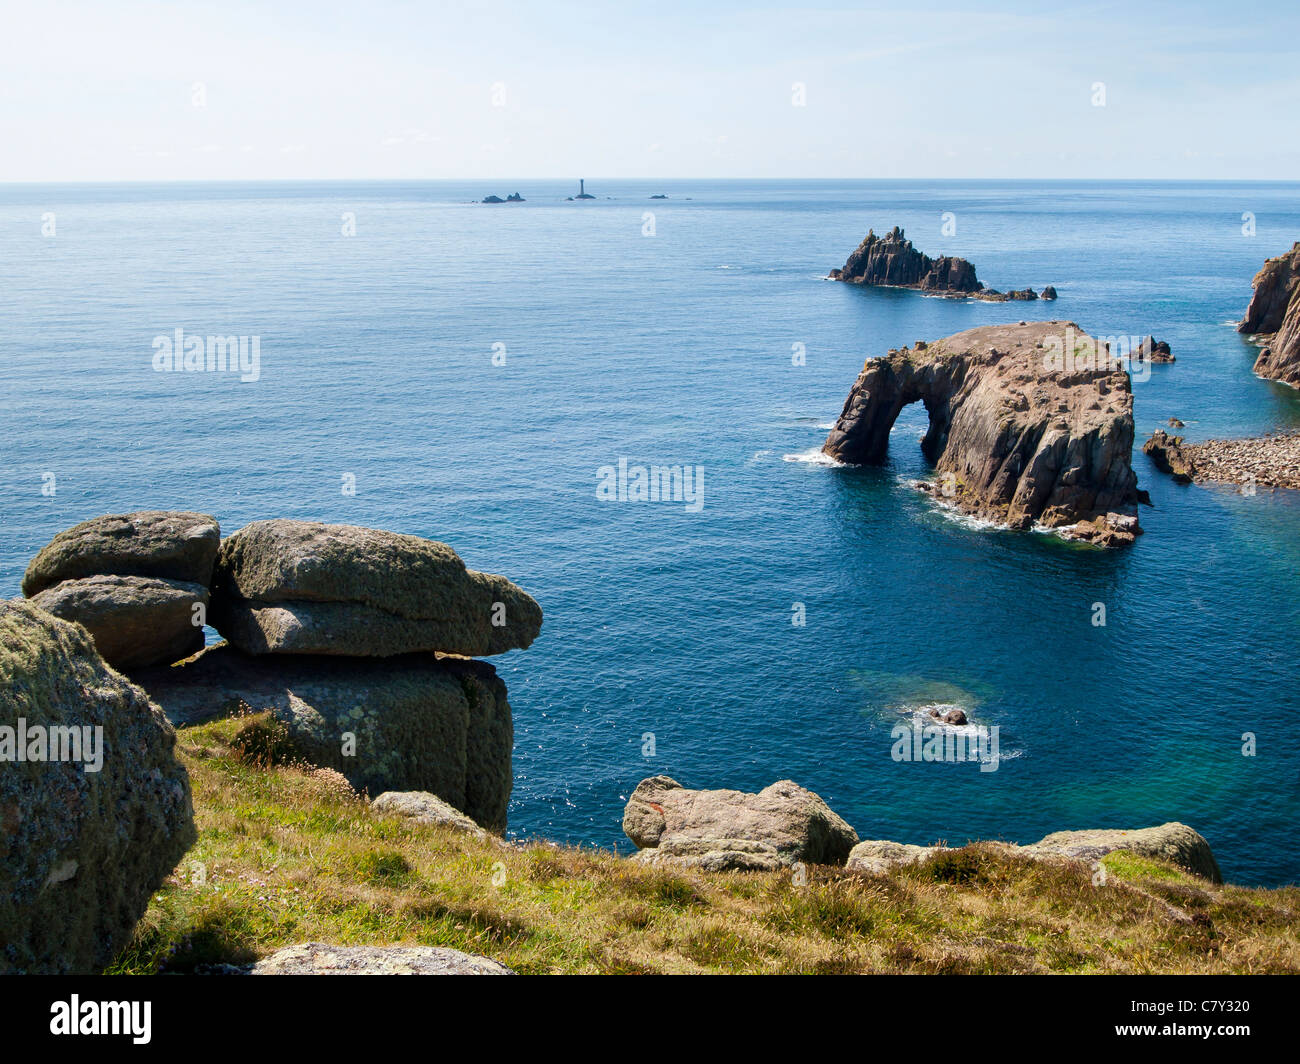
x=1031 y=425
x=1271 y=461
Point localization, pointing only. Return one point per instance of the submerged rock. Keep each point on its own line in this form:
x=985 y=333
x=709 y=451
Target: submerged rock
x=317 y=958
x=135 y=621
x=82 y=848
x=301 y=587
x=779 y=826
x=415 y=722
x=1030 y=424
x=1273 y=317
x=170 y=545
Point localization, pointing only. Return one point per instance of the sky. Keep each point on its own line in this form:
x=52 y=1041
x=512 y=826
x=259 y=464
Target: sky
x=119 y=90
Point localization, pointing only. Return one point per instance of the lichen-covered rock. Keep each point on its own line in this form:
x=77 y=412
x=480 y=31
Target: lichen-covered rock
x=1173 y=842
x=415 y=722
x=892 y=260
x=1273 y=317
x=1030 y=424
x=300 y=587
x=135 y=621
x=425 y=808
x=881 y=855
x=171 y=545
x=81 y=852
x=782 y=824
x=317 y=958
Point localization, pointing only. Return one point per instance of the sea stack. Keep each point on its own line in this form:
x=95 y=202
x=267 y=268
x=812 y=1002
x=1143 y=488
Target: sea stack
x=1030 y=425
x=1273 y=318
x=891 y=261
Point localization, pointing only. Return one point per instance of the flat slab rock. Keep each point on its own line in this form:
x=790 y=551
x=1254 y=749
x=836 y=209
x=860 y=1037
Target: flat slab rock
x=724 y=829
x=135 y=621
x=1031 y=425
x=302 y=587
x=170 y=545
x=425 y=808
x=1173 y=842
x=317 y=958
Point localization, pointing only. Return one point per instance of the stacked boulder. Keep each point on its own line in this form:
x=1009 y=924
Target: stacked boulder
x=361 y=642
x=138 y=583
x=94 y=807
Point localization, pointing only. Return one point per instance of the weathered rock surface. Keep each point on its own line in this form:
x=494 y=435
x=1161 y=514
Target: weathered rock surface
x=1261 y=462
x=420 y=722
x=892 y=260
x=1176 y=843
x=317 y=958
x=1149 y=349
x=1173 y=842
x=780 y=825
x=425 y=808
x=80 y=852
x=1030 y=424
x=300 y=587
x=1273 y=317
x=171 y=545
x=881 y=855
x=135 y=621
x=1167 y=453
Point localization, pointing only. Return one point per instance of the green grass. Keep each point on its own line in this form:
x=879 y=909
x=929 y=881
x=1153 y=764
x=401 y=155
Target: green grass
x=287 y=854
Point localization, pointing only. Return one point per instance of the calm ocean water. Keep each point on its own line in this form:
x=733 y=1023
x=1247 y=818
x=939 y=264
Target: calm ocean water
x=377 y=361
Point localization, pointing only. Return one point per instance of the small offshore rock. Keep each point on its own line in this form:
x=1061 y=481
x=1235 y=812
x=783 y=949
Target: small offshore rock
x=317 y=958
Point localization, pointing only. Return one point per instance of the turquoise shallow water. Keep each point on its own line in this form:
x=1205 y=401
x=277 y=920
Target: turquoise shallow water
x=376 y=360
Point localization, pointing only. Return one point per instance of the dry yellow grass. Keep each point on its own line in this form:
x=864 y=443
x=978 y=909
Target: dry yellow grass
x=286 y=855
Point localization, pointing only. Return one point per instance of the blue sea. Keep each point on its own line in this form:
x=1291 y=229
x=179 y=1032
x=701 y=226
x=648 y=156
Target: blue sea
x=662 y=332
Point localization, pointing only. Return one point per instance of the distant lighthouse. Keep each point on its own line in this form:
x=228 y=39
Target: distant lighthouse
x=582 y=190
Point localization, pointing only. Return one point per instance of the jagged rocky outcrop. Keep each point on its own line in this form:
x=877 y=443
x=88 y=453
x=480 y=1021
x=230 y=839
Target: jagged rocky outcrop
x=135 y=621
x=1273 y=318
x=94 y=813
x=137 y=582
x=1262 y=461
x=318 y=958
x=891 y=260
x=302 y=587
x=1030 y=425
x=721 y=830
x=415 y=722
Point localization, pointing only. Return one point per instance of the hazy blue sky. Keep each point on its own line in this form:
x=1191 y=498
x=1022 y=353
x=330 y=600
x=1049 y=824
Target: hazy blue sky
x=106 y=91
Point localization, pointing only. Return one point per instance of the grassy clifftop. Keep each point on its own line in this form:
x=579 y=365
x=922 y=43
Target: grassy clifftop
x=287 y=854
